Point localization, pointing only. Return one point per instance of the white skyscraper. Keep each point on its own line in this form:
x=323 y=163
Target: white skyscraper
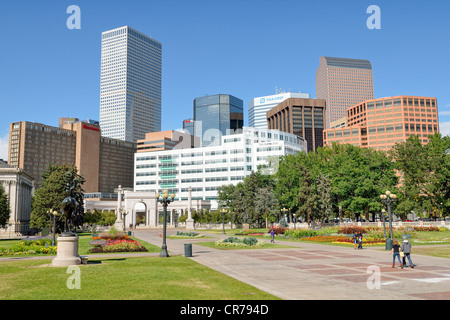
x=258 y=107
x=130 y=85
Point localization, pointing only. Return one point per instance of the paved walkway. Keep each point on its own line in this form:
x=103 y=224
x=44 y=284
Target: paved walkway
x=320 y=272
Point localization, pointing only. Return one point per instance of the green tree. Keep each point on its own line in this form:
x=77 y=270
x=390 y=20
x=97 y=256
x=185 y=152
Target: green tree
x=4 y=208
x=411 y=162
x=324 y=198
x=51 y=193
x=266 y=203
x=306 y=197
x=437 y=188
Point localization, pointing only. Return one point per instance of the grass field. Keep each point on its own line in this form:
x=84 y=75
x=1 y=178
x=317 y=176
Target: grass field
x=144 y=278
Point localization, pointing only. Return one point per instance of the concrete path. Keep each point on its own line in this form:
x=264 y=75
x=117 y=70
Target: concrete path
x=319 y=272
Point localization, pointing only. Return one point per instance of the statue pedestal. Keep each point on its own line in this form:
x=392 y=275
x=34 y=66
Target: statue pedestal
x=245 y=227
x=118 y=225
x=190 y=224
x=67 y=252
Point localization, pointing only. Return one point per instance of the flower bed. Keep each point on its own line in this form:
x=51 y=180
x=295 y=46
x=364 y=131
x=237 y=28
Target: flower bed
x=242 y=243
x=27 y=247
x=184 y=235
x=343 y=240
x=115 y=242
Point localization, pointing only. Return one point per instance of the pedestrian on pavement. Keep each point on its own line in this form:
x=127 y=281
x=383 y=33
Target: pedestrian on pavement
x=396 y=251
x=272 y=234
x=360 y=238
x=355 y=239
x=406 y=248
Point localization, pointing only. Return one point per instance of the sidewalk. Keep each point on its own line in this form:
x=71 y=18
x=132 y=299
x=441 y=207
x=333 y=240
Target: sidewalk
x=320 y=272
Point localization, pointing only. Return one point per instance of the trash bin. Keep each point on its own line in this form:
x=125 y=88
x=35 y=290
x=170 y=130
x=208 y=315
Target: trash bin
x=129 y=233
x=188 y=250
x=389 y=244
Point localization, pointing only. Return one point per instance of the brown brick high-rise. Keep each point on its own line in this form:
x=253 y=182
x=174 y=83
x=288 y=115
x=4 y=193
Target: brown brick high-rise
x=343 y=83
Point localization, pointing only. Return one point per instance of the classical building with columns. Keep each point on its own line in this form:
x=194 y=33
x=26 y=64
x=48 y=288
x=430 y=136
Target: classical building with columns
x=19 y=186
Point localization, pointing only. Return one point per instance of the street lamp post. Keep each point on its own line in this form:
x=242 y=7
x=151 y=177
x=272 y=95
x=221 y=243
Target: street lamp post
x=388 y=198
x=55 y=213
x=165 y=200
x=223 y=219
x=383 y=213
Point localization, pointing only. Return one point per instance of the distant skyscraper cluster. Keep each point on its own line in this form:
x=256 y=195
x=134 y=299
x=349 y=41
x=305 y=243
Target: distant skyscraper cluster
x=127 y=147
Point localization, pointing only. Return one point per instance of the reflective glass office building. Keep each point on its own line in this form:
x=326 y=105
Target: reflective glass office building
x=130 y=88
x=216 y=116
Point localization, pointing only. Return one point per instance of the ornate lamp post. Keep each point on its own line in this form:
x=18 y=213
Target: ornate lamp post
x=53 y=213
x=388 y=198
x=223 y=219
x=164 y=200
x=383 y=213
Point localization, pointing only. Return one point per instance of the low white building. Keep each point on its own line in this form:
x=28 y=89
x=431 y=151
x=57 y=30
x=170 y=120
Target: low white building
x=18 y=185
x=206 y=169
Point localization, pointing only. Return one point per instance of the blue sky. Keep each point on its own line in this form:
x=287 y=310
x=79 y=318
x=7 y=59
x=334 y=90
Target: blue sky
x=246 y=48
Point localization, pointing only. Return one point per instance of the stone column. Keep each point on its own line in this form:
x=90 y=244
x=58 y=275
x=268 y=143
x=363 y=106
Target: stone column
x=189 y=221
x=118 y=225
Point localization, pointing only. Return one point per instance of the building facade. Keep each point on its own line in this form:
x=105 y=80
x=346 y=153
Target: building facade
x=216 y=116
x=105 y=163
x=205 y=169
x=343 y=83
x=302 y=117
x=167 y=140
x=258 y=107
x=130 y=84
x=19 y=187
x=380 y=123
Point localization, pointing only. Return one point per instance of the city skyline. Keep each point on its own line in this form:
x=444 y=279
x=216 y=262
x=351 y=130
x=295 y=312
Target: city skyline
x=61 y=74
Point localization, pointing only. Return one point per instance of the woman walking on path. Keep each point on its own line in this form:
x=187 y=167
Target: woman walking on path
x=406 y=248
x=396 y=250
x=272 y=234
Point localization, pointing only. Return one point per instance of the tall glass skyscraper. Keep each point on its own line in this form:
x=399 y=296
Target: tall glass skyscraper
x=130 y=85
x=215 y=116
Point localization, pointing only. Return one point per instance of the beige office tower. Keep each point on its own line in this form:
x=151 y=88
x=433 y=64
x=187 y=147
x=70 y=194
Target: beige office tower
x=104 y=162
x=343 y=83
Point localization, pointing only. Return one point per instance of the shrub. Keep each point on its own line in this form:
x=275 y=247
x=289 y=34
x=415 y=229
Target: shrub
x=188 y=234
x=278 y=230
x=422 y=228
x=352 y=229
x=300 y=233
x=236 y=242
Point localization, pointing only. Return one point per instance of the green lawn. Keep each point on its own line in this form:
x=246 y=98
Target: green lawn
x=144 y=278
x=83 y=245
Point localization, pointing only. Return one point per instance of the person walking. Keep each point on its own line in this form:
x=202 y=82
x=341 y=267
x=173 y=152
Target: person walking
x=396 y=251
x=360 y=239
x=406 y=248
x=272 y=234
x=355 y=239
